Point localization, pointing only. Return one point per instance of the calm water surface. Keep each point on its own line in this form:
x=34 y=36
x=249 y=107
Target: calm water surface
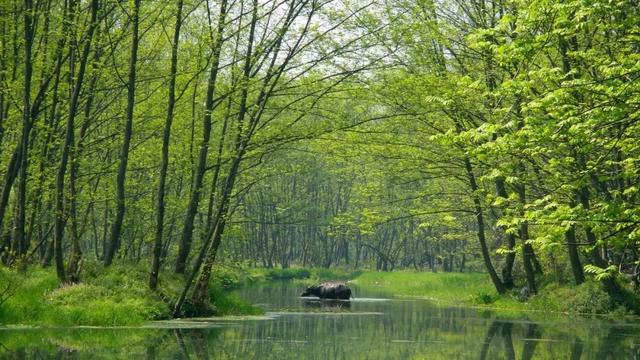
x=370 y=327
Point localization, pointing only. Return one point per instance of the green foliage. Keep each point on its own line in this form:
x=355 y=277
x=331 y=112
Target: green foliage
x=288 y=274
x=475 y=289
x=305 y=274
x=334 y=274
x=227 y=303
x=28 y=304
x=486 y=298
x=601 y=274
x=115 y=296
x=590 y=298
x=228 y=277
x=525 y=113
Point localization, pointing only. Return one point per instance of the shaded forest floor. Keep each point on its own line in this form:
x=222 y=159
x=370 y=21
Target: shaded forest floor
x=119 y=296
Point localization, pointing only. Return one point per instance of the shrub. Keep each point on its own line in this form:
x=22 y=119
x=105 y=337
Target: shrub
x=288 y=274
x=590 y=298
x=485 y=298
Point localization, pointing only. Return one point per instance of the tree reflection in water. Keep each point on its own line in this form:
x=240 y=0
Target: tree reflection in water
x=505 y=329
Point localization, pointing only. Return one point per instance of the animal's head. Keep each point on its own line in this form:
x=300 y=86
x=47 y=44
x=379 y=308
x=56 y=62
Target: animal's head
x=311 y=291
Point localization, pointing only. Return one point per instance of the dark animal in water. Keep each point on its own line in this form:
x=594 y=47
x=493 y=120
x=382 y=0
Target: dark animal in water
x=329 y=290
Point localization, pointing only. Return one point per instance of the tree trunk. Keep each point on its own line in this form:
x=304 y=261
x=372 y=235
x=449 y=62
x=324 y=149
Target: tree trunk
x=116 y=228
x=157 y=248
x=507 y=270
x=68 y=145
x=209 y=105
x=20 y=246
x=73 y=266
x=192 y=209
x=574 y=256
x=200 y=296
x=527 y=249
x=497 y=283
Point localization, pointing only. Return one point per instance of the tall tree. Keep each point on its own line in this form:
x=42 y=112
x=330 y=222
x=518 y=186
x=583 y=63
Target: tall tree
x=198 y=175
x=166 y=136
x=68 y=144
x=20 y=245
x=116 y=227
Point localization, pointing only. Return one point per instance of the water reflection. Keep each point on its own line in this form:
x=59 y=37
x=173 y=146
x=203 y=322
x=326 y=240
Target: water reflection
x=504 y=332
x=327 y=304
x=396 y=329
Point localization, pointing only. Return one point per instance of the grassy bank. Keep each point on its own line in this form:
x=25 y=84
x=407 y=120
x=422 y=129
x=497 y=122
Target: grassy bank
x=116 y=296
x=464 y=289
x=475 y=289
x=119 y=296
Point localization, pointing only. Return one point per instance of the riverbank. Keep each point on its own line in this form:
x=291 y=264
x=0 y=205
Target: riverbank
x=119 y=296
x=476 y=290
x=114 y=296
x=451 y=288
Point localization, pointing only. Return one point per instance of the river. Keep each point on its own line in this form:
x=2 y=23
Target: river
x=371 y=326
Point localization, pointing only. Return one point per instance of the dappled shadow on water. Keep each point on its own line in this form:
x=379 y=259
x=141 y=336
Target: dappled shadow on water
x=317 y=330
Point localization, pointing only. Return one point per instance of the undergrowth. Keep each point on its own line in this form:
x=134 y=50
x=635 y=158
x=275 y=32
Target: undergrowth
x=113 y=296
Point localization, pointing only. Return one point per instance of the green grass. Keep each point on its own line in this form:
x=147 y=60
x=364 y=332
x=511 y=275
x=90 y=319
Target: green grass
x=306 y=275
x=447 y=287
x=475 y=289
x=115 y=296
x=231 y=304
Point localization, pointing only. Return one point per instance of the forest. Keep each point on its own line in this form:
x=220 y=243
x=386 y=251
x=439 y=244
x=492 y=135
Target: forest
x=186 y=137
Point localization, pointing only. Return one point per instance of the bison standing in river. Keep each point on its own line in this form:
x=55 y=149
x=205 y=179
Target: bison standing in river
x=329 y=290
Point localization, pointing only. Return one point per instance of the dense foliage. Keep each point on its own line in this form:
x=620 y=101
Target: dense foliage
x=489 y=135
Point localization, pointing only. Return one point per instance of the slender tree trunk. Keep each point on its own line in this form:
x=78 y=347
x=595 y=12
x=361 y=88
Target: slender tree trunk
x=8 y=181
x=192 y=209
x=200 y=296
x=45 y=160
x=527 y=249
x=116 y=228
x=166 y=136
x=70 y=149
x=15 y=164
x=595 y=253
x=4 y=44
x=218 y=165
x=481 y=231
x=507 y=270
x=574 y=257
x=20 y=246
